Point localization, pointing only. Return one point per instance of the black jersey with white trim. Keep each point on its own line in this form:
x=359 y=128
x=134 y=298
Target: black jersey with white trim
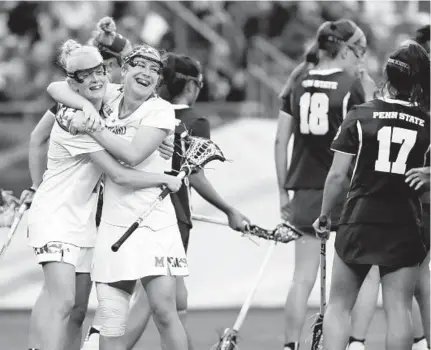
x=388 y=137
x=320 y=101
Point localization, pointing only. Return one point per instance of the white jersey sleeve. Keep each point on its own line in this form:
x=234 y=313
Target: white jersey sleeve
x=74 y=144
x=161 y=115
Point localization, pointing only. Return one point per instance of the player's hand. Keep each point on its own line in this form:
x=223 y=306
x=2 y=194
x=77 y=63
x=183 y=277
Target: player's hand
x=92 y=119
x=166 y=149
x=285 y=208
x=27 y=197
x=418 y=177
x=322 y=227
x=237 y=221
x=173 y=183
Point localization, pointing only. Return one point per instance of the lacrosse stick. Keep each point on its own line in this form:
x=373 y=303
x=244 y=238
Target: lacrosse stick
x=209 y=219
x=12 y=230
x=317 y=335
x=282 y=233
x=200 y=151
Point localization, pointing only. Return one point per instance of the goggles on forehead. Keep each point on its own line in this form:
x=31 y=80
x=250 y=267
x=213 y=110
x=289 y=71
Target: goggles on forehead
x=146 y=52
x=82 y=74
x=198 y=80
x=139 y=60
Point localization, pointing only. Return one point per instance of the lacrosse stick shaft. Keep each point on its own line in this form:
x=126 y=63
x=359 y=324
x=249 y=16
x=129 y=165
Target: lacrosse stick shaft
x=12 y=230
x=322 y=276
x=246 y=306
x=209 y=219
x=135 y=225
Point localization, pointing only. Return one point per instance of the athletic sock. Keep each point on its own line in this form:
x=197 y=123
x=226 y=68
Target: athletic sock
x=94 y=329
x=420 y=343
x=291 y=346
x=353 y=339
x=91 y=341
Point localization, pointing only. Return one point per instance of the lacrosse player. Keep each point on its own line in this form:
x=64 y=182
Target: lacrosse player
x=381 y=222
x=421 y=303
x=61 y=221
x=313 y=111
x=154 y=254
x=182 y=81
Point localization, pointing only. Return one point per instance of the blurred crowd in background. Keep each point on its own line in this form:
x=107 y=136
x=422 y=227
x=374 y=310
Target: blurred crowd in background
x=31 y=33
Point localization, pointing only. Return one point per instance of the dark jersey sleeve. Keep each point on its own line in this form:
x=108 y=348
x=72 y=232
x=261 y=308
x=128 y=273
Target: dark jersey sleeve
x=54 y=109
x=201 y=128
x=357 y=94
x=347 y=139
x=286 y=104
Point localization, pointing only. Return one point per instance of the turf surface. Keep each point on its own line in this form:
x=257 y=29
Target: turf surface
x=262 y=330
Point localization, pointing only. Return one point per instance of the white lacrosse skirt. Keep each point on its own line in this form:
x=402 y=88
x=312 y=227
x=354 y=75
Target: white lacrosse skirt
x=145 y=253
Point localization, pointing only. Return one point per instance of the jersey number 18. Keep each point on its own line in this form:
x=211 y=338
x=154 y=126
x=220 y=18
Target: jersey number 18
x=313 y=110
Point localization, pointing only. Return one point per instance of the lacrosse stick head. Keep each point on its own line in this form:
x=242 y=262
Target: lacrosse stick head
x=283 y=233
x=317 y=333
x=200 y=152
x=227 y=341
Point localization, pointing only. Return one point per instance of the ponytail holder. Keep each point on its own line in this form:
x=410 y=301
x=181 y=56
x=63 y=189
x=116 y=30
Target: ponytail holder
x=399 y=64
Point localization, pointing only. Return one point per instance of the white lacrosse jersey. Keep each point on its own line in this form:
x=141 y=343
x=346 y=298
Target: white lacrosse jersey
x=121 y=204
x=64 y=206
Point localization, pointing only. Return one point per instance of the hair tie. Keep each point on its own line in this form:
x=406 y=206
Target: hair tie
x=399 y=64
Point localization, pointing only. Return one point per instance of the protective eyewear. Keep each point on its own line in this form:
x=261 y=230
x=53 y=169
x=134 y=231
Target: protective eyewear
x=82 y=74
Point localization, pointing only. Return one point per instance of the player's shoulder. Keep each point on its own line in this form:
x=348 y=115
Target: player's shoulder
x=158 y=103
x=64 y=116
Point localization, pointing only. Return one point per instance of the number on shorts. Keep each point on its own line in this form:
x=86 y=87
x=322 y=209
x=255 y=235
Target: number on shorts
x=313 y=110
x=388 y=135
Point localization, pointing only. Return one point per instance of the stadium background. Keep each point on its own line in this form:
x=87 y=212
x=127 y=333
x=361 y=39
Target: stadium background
x=248 y=50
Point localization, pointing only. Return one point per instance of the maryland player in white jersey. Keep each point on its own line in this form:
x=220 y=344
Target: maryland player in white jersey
x=61 y=221
x=138 y=122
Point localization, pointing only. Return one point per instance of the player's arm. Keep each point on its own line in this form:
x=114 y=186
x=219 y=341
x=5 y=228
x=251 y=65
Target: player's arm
x=345 y=146
x=84 y=145
x=145 y=142
x=285 y=127
x=334 y=181
x=61 y=92
x=130 y=177
x=204 y=188
x=38 y=147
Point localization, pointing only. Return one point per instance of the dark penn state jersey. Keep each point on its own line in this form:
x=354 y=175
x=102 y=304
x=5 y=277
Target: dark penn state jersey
x=388 y=137
x=319 y=102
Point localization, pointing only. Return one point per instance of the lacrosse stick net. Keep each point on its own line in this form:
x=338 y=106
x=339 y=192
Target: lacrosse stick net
x=10 y=203
x=200 y=151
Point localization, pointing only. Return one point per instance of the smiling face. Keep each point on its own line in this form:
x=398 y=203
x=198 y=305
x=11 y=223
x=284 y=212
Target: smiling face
x=88 y=76
x=141 y=76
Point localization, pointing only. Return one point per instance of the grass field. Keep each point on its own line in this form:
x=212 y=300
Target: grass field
x=262 y=330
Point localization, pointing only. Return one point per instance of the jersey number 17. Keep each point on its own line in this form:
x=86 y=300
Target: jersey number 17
x=388 y=135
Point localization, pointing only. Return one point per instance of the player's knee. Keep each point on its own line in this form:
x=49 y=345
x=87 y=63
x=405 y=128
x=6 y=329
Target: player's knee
x=163 y=313
x=113 y=310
